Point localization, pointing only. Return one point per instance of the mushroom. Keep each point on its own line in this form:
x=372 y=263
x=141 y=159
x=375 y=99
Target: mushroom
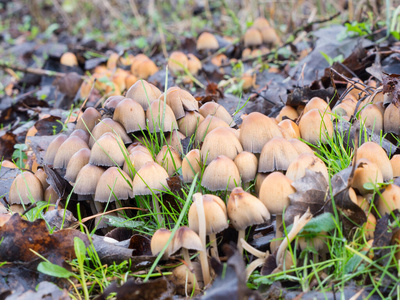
x=170 y=159
x=136 y=159
x=113 y=101
x=392 y=119
x=245 y=210
x=145 y=68
x=221 y=174
x=276 y=155
x=215 y=109
x=25 y=189
x=191 y=165
x=389 y=200
x=208 y=124
x=174 y=140
x=159 y=240
x=287 y=112
x=87 y=179
x=160 y=117
x=131 y=115
x=151 y=179
x=82 y=134
x=372 y=118
x=67 y=149
x=108 y=125
x=316 y=126
x=69 y=59
x=395 y=162
x=52 y=149
x=186 y=239
x=289 y=129
x=317 y=103
x=247 y=164
x=76 y=163
x=108 y=151
x=301 y=147
x=207 y=41
x=114 y=184
x=189 y=123
x=194 y=64
x=260 y=23
x=375 y=154
x=366 y=172
x=177 y=62
x=252 y=37
x=180 y=101
x=143 y=93
x=297 y=168
x=88 y=120
x=42 y=176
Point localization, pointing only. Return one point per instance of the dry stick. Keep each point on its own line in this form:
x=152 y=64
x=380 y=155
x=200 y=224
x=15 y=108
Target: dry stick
x=41 y=72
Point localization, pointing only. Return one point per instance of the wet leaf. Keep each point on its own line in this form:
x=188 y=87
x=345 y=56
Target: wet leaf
x=391 y=85
x=7 y=176
x=48 y=126
x=7 y=142
x=140 y=245
x=62 y=187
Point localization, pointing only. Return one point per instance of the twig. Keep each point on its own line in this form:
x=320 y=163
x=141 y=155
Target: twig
x=41 y=72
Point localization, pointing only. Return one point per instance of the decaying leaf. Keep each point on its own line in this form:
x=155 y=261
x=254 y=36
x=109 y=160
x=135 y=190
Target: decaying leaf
x=62 y=187
x=44 y=290
x=311 y=192
x=48 y=126
x=391 y=85
x=140 y=245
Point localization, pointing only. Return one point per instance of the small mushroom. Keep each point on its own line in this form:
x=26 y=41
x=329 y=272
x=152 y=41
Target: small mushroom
x=108 y=125
x=67 y=149
x=159 y=240
x=170 y=159
x=189 y=123
x=25 y=188
x=76 y=163
x=88 y=120
x=208 y=124
x=114 y=184
x=160 y=117
x=130 y=115
x=109 y=150
x=207 y=41
x=215 y=109
x=221 y=174
x=247 y=164
x=177 y=62
x=52 y=149
x=297 y=168
x=191 y=165
x=316 y=126
x=375 y=154
x=252 y=37
x=87 y=179
x=143 y=93
x=276 y=155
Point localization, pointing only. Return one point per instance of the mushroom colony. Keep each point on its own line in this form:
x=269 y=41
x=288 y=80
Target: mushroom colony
x=244 y=168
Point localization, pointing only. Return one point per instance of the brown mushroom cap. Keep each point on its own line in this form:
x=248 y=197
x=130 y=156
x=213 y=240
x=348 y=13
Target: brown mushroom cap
x=151 y=178
x=275 y=191
x=288 y=112
x=76 y=163
x=220 y=141
x=247 y=165
x=289 y=129
x=207 y=41
x=366 y=172
x=316 y=126
x=138 y=159
x=221 y=174
x=256 y=130
x=170 y=159
x=186 y=238
x=158 y=242
x=138 y=147
x=194 y=64
x=317 y=103
x=69 y=59
x=297 y=168
x=87 y=179
x=392 y=119
x=158 y=119
x=26 y=186
x=82 y=134
x=389 y=200
x=189 y=123
x=180 y=101
x=130 y=115
x=191 y=165
x=276 y=155
x=143 y=93
x=301 y=147
x=42 y=176
x=174 y=140
x=145 y=68
x=260 y=23
x=113 y=101
x=215 y=213
x=372 y=118
x=52 y=149
x=245 y=210
x=89 y=119
x=269 y=36
x=107 y=151
x=108 y=125
x=375 y=154
x=67 y=149
x=50 y=195
x=252 y=37
x=208 y=124
x=177 y=62
x=215 y=109
x=395 y=162
x=113 y=184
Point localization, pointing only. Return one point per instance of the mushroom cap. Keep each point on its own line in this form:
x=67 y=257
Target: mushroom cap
x=143 y=93
x=69 y=59
x=395 y=162
x=221 y=174
x=276 y=155
x=301 y=147
x=177 y=61
x=108 y=125
x=82 y=134
x=259 y=180
x=113 y=101
x=130 y=115
x=23 y=187
x=138 y=147
x=215 y=109
x=158 y=242
x=252 y=37
x=215 y=214
x=317 y=103
x=208 y=124
x=275 y=191
x=138 y=159
x=247 y=164
x=158 y=119
x=256 y=130
x=42 y=176
x=50 y=195
x=260 y=23
x=87 y=179
x=150 y=176
x=67 y=149
x=76 y=163
x=389 y=199
x=269 y=35
x=113 y=184
x=288 y=112
x=191 y=165
x=53 y=147
x=372 y=118
x=289 y=129
x=180 y=101
x=392 y=119
x=316 y=126
x=170 y=159
x=220 y=141
x=297 y=168
x=145 y=68
x=189 y=123
x=194 y=64
x=245 y=210
x=107 y=151
x=89 y=119
x=207 y=41
x=365 y=172
x=375 y=154
x=174 y=140
x=186 y=238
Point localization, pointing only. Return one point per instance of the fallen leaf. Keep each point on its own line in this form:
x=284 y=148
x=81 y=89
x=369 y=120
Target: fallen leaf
x=7 y=142
x=140 y=245
x=48 y=126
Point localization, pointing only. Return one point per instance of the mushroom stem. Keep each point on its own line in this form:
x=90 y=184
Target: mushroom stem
x=253 y=250
x=202 y=234
x=278 y=234
x=239 y=243
x=158 y=209
x=186 y=258
x=214 y=246
x=254 y=265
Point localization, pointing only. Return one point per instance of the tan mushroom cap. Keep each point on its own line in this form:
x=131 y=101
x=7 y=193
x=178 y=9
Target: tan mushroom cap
x=375 y=154
x=169 y=159
x=275 y=191
x=186 y=238
x=207 y=125
x=108 y=125
x=42 y=176
x=191 y=165
x=159 y=240
x=158 y=119
x=143 y=93
x=215 y=214
x=270 y=36
x=82 y=134
x=221 y=174
x=288 y=112
x=174 y=140
x=245 y=210
x=366 y=172
x=247 y=165
x=67 y=149
x=26 y=186
x=113 y=184
x=297 y=168
x=276 y=155
x=260 y=23
x=207 y=41
x=372 y=118
x=289 y=129
x=252 y=37
x=76 y=163
x=138 y=159
x=145 y=68
x=316 y=126
x=88 y=120
x=138 y=147
x=194 y=64
x=87 y=179
x=50 y=195
x=389 y=200
x=52 y=149
x=113 y=101
x=215 y=109
x=317 y=103
x=300 y=146
x=259 y=180
x=177 y=62
x=256 y=130
x=150 y=176
x=392 y=119
x=107 y=151
x=220 y=141
x=180 y=101
x=395 y=162
x=69 y=59
x=130 y=115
